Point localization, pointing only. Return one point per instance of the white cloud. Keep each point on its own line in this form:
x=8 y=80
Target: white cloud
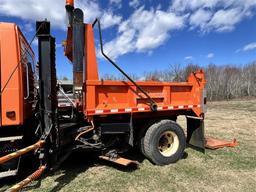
x=200 y=18
x=191 y=5
x=214 y=15
x=121 y=45
x=210 y=55
x=134 y=3
x=143 y=31
x=250 y=46
x=154 y=27
x=54 y=11
x=220 y=21
x=31 y=10
x=188 y=58
x=91 y=10
x=108 y=19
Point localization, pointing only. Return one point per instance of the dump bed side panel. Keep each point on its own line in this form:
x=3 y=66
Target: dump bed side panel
x=112 y=97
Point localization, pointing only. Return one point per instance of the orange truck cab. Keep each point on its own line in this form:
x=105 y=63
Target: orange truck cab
x=17 y=93
x=16 y=60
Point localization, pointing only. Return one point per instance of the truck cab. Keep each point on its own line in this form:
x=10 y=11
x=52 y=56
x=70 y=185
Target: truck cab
x=16 y=73
x=16 y=94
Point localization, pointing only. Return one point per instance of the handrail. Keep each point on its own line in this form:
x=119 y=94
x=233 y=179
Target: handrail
x=66 y=97
x=153 y=104
x=21 y=152
x=27 y=78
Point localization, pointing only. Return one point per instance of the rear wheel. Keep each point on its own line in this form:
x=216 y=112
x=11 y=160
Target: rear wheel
x=142 y=133
x=164 y=142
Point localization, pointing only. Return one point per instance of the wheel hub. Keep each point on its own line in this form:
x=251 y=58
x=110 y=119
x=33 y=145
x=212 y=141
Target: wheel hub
x=168 y=143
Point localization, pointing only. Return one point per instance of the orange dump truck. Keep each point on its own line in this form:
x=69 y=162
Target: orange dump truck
x=105 y=116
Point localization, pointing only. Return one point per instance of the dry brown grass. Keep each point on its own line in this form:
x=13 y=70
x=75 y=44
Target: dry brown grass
x=228 y=169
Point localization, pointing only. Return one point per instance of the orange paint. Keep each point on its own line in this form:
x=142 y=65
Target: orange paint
x=20 y=152
x=70 y=3
x=13 y=75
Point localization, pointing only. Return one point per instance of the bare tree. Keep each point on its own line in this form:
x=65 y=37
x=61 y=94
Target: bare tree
x=223 y=82
x=190 y=68
x=176 y=72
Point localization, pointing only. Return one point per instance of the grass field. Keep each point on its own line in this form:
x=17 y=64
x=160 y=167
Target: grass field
x=227 y=169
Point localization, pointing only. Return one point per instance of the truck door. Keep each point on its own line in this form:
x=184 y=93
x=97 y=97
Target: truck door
x=27 y=61
x=0 y=86
x=11 y=81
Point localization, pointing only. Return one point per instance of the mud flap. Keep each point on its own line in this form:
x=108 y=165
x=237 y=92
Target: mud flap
x=131 y=132
x=213 y=143
x=195 y=133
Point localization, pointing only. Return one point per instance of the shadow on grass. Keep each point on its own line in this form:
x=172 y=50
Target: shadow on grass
x=79 y=162
x=76 y=163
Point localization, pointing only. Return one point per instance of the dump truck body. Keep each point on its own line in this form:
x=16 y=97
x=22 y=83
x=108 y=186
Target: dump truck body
x=118 y=97
x=104 y=97
x=127 y=109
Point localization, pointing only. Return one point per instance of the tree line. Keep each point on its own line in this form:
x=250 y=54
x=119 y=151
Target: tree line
x=223 y=82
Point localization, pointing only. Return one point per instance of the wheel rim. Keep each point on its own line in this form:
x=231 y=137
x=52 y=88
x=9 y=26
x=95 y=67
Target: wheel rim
x=168 y=143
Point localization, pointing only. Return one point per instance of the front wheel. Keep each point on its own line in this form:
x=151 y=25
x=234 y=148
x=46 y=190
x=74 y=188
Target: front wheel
x=164 y=142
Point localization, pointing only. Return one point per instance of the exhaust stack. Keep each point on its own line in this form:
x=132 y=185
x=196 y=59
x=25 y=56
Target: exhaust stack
x=69 y=10
x=76 y=26
x=78 y=49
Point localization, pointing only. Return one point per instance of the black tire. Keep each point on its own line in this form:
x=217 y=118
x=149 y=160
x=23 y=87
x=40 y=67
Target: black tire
x=142 y=133
x=152 y=139
x=141 y=145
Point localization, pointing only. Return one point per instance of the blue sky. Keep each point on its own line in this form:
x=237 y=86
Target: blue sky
x=150 y=35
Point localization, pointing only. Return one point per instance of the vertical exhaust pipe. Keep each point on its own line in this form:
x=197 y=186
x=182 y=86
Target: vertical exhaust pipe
x=76 y=23
x=78 y=49
x=69 y=11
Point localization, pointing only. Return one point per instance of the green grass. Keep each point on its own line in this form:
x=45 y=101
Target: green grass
x=227 y=169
